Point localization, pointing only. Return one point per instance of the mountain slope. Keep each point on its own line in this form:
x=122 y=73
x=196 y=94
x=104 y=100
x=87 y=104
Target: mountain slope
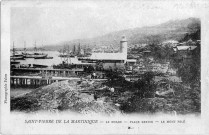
x=174 y=29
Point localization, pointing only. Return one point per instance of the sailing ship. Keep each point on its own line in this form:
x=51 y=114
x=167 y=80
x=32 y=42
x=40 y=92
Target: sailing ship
x=35 y=55
x=66 y=53
x=16 y=56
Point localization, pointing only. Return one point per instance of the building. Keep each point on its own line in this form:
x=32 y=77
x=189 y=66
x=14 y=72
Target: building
x=112 y=60
x=183 y=52
x=170 y=43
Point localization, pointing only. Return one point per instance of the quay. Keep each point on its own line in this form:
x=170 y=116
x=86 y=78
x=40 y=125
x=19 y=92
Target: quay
x=36 y=81
x=49 y=71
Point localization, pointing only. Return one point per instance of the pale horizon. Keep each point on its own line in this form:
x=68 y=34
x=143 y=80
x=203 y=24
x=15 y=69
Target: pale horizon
x=81 y=20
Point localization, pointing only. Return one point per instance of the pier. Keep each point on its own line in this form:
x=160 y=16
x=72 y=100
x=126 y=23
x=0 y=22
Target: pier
x=48 y=71
x=36 y=81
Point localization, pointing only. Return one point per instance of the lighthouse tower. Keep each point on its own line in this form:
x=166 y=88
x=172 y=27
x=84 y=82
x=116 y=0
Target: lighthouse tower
x=124 y=47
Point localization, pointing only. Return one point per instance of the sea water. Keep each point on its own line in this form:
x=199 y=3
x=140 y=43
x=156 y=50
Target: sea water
x=49 y=62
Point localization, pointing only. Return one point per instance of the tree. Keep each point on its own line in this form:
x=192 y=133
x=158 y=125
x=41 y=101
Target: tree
x=146 y=85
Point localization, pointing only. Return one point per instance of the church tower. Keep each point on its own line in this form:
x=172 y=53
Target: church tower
x=124 y=47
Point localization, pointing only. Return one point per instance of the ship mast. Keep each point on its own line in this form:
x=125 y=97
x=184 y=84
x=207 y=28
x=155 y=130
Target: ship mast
x=24 y=47
x=74 y=50
x=42 y=48
x=13 y=51
x=84 y=50
x=79 y=49
x=35 y=49
x=68 y=54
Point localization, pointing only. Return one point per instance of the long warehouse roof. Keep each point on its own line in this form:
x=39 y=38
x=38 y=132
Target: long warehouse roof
x=108 y=56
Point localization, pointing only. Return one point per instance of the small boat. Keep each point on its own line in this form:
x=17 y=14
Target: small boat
x=67 y=55
x=35 y=55
x=43 y=58
x=49 y=58
x=39 y=66
x=64 y=55
x=40 y=56
x=14 y=57
x=14 y=62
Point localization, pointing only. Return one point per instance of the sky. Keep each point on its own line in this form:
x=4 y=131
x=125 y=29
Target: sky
x=53 y=23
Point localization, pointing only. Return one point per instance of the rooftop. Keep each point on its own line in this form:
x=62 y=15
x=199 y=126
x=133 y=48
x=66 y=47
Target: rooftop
x=108 y=56
x=131 y=60
x=170 y=41
x=186 y=47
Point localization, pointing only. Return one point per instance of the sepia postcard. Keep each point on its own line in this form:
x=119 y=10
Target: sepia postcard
x=104 y=67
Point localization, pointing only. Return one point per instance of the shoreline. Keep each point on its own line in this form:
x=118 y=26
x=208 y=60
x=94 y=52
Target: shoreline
x=17 y=92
